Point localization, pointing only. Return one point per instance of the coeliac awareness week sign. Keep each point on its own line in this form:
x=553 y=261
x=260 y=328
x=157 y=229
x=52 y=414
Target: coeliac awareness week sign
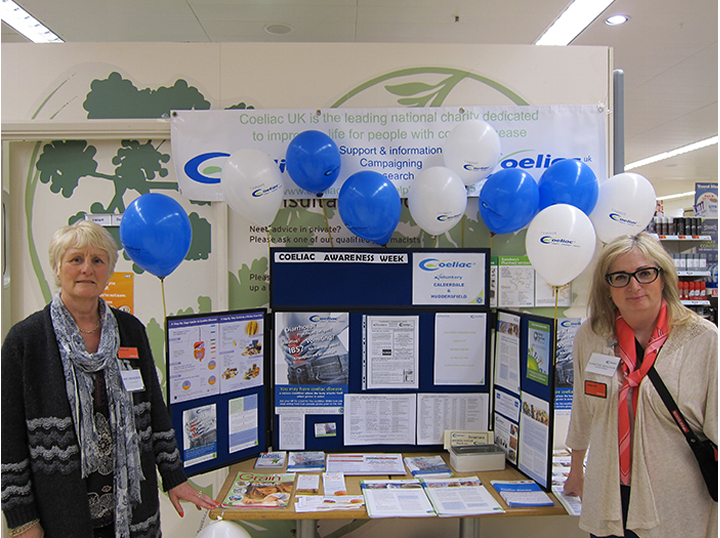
x=398 y=143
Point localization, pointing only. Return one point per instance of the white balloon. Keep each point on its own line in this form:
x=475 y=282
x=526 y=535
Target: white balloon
x=472 y=150
x=626 y=204
x=252 y=185
x=437 y=199
x=560 y=243
x=223 y=529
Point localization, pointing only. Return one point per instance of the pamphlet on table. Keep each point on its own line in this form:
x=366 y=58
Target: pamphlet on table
x=396 y=498
x=521 y=493
x=256 y=490
x=465 y=496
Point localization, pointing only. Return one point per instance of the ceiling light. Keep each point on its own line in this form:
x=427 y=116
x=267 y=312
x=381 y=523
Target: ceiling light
x=278 y=29
x=676 y=196
x=24 y=23
x=673 y=153
x=573 y=21
x=616 y=20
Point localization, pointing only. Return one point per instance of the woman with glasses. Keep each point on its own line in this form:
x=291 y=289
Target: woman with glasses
x=642 y=479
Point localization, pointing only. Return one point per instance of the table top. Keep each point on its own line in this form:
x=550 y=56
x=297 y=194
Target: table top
x=353 y=488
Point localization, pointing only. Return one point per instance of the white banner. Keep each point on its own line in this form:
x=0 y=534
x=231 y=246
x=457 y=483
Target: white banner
x=396 y=142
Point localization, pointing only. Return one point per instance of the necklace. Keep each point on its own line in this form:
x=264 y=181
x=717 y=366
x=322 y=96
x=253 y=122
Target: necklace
x=97 y=326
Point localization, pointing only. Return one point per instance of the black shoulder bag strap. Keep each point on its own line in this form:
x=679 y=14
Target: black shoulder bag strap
x=705 y=451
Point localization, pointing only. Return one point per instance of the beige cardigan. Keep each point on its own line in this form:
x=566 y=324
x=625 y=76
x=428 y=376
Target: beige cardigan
x=668 y=495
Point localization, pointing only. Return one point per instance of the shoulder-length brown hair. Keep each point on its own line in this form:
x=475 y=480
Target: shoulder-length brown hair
x=601 y=307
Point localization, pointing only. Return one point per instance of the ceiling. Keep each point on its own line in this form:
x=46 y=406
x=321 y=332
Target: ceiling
x=668 y=50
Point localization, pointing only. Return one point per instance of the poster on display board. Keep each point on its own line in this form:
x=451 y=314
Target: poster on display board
x=398 y=143
x=217 y=371
x=362 y=332
x=524 y=397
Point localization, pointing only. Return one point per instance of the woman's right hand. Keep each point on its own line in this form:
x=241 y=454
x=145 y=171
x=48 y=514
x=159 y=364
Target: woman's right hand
x=574 y=484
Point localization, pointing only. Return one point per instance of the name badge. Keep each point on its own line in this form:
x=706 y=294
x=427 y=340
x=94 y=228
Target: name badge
x=593 y=388
x=128 y=353
x=602 y=364
x=132 y=380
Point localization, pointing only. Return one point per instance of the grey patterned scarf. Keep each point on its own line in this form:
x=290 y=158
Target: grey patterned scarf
x=79 y=365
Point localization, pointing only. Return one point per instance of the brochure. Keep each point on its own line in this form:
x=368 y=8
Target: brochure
x=459 y=496
x=271 y=460
x=306 y=462
x=366 y=464
x=396 y=498
x=308 y=484
x=521 y=493
x=255 y=490
x=322 y=503
x=427 y=465
x=334 y=484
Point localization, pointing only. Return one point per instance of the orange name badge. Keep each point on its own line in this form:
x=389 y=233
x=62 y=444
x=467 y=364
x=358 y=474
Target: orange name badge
x=128 y=353
x=593 y=388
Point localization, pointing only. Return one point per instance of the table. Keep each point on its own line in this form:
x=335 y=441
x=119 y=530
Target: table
x=469 y=527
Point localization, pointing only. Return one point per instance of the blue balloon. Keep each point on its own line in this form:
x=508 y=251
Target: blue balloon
x=313 y=161
x=508 y=200
x=370 y=206
x=571 y=182
x=156 y=233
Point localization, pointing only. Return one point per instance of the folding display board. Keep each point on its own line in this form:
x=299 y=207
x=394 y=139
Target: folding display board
x=218 y=378
x=378 y=349
x=524 y=383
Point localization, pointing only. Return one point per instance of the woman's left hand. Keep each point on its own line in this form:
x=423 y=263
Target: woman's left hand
x=186 y=492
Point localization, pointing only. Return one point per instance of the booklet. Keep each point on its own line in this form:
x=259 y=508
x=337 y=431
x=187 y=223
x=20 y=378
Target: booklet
x=255 y=490
x=427 y=465
x=271 y=460
x=306 y=462
x=366 y=464
x=323 y=503
x=396 y=498
x=459 y=496
x=521 y=493
x=573 y=505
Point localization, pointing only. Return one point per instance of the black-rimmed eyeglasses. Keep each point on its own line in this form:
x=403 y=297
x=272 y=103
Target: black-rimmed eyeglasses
x=645 y=275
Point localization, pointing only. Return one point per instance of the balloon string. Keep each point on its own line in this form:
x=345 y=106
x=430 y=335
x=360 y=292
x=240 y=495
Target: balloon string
x=434 y=241
x=162 y=288
x=327 y=224
x=462 y=242
x=556 y=290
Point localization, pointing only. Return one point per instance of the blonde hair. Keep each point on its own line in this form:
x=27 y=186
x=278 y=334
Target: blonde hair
x=82 y=234
x=601 y=306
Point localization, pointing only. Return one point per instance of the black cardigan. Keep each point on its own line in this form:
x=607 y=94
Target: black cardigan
x=40 y=454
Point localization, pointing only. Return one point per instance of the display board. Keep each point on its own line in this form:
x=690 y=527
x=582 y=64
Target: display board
x=217 y=368
x=523 y=400
x=378 y=348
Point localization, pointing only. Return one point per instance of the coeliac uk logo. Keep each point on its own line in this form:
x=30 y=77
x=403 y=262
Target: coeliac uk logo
x=445 y=218
x=617 y=217
x=560 y=241
x=263 y=191
x=211 y=164
x=433 y=264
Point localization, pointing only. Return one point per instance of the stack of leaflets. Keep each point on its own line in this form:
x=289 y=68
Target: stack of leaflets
x=396 y=498
x=271 y=460
x=323 y=503
x=366 y=464
x=521 y=493
x=427 y=466
x=306 y=462
x=465 y=496
x=255 y=490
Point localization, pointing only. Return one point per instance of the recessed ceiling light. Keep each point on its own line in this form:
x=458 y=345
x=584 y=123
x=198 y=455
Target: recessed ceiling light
x=21 y=21
x=673 y=153
x=278 y=29
x=616 y=20
x=573 y=21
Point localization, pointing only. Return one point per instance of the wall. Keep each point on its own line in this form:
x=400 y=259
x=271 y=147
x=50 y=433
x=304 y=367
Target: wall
x=87 y=135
